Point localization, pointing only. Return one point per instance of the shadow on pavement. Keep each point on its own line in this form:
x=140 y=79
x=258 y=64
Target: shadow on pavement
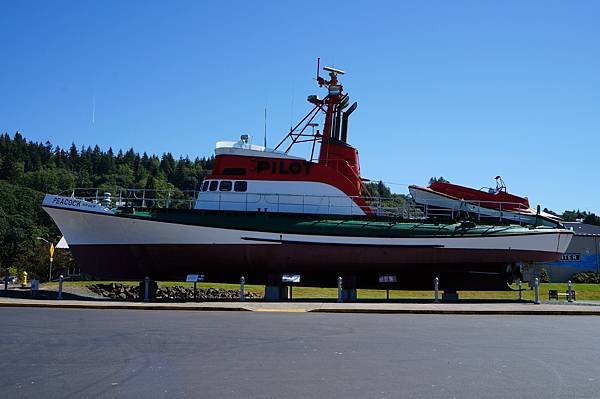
x=25 y=293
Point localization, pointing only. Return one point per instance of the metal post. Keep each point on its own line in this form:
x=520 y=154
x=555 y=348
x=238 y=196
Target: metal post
x=146 y=289
x=520 y=287
x=60 y=285
x=50 y=273
x=569 y=291
x=536 y=288
x=35 y=286
x=242 y=283
x=436 y=286
x=339 y=283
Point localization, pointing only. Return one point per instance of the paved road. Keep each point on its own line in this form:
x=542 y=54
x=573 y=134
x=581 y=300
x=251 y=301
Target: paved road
x=75 y=353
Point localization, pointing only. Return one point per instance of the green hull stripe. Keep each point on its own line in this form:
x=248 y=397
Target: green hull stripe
x=325 y=225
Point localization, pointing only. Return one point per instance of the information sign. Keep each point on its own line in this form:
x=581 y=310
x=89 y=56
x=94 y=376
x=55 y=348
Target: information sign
x=193 y=278
x=387 y=278
x=290 y=278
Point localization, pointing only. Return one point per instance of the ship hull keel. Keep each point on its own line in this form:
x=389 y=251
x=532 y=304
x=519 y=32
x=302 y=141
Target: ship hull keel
x=318 y=265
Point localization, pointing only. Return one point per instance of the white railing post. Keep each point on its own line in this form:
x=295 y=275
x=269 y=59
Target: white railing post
x=60 y=286
x=242 y=284
x=569 y=291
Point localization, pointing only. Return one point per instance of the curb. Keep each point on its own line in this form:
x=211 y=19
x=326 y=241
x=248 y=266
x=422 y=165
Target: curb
x=105 y=306
x=463 y=312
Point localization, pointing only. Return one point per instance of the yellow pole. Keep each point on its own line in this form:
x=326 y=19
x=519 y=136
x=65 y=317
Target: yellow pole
x=51 y=259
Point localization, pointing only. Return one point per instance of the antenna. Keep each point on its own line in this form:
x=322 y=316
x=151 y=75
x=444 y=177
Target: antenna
x=265 y=127
x=292 y=108
x=93 y=110
x=318 y=66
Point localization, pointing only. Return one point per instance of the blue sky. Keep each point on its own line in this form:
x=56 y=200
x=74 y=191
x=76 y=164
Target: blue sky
x=463 y=89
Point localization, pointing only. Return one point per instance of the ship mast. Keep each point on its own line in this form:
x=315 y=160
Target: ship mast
x=336 y=119
x=331 y=102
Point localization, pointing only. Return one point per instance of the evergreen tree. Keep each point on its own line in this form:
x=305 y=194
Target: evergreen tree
x=73 y=157
x=167 y=166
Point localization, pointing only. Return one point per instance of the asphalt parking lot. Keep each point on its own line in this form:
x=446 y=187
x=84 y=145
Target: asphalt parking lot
x=74 y=353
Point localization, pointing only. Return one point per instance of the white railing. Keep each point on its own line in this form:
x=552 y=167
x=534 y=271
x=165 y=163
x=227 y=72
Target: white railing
x=397 y=207
x=281 y=203
x=117 y=197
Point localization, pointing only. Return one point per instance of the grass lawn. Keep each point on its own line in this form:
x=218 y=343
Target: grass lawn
x=584 y=291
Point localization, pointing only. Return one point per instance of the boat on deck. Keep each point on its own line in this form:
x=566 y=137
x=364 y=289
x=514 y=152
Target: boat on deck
x=264 y=212
x=486 y=203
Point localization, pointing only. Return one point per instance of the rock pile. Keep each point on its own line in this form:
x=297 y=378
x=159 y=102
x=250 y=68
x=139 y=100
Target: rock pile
x=115 y=290
x=176 y=293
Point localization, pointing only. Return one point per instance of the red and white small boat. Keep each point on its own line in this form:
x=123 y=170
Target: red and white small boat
x=487 y=202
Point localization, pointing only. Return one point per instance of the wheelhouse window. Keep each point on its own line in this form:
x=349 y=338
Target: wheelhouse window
x=225 y=185
x=214 y=184
x=240 y=185
x=205 y=185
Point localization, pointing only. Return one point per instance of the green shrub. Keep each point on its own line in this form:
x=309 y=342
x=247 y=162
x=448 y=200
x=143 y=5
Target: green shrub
x=544 y=278
x=585 y=278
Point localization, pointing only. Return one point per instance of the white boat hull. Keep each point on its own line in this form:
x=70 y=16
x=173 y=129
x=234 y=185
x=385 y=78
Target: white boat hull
x=110 y=245
x=430 y=198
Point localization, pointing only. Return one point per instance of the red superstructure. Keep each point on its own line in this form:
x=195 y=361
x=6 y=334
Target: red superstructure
x=337 y=165
x=335 y=152
x=334 y=172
